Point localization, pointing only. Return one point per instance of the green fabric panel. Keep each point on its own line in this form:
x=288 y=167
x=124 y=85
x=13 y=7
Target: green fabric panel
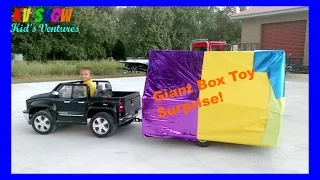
x=273 y=125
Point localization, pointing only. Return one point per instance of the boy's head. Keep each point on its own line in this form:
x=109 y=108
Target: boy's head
x=85 y=73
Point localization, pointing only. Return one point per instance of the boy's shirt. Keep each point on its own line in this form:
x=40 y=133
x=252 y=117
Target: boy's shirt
x=91 y=86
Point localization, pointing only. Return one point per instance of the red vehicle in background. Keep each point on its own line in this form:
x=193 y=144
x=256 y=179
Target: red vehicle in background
x=206 y=45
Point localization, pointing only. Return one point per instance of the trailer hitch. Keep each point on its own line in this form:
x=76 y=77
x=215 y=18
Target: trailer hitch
x=137 y=120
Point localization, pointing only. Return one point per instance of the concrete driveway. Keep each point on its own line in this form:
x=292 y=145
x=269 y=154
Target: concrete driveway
x=76 y=150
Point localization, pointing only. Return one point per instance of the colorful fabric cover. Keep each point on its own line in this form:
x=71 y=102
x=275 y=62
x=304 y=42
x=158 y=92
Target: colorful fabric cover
x=221 y=96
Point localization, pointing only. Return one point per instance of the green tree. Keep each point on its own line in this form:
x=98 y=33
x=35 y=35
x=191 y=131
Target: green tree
x=118 y=52
x=140 y=29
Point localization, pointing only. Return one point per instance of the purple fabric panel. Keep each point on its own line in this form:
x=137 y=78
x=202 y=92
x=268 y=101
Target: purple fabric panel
x=180 y=125
x=171 y=70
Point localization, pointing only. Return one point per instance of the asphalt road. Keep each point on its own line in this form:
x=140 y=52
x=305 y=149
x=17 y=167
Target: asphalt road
x=75 y=150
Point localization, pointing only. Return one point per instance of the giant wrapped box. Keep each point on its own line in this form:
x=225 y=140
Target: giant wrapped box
x=220 y=96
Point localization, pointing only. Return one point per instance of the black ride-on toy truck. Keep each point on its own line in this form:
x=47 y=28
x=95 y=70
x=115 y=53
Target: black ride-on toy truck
x=69 y=103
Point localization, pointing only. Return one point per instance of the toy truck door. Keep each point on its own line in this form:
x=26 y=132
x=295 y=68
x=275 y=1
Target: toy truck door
x=72 y=103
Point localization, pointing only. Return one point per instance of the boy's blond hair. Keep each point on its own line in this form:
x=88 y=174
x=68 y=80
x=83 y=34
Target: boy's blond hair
x=87 y=68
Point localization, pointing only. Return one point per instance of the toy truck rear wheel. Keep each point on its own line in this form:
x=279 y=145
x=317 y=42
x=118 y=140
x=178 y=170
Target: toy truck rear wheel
x=42 y=122
x=102 y=125
x=203 y=143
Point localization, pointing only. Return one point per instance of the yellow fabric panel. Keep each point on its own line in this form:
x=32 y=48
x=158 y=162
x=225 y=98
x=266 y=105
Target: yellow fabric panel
x=241 y=117
x=92 y=87
x=272 y=130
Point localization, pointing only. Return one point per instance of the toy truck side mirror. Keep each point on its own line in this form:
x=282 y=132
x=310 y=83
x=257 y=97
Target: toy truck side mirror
x=55 y=94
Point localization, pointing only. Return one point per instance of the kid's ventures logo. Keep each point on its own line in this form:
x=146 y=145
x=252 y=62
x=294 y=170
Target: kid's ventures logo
x=25 y=20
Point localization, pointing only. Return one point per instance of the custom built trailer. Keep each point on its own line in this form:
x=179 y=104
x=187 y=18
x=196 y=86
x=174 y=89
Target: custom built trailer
x=208 y=96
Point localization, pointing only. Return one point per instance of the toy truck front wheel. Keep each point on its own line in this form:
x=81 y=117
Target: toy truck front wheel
x=42 y=122
x=102 y=125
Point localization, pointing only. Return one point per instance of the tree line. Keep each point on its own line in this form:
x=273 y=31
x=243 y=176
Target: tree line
x=122 y=32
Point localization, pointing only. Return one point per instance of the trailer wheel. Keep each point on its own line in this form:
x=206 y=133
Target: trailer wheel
x=102 y=125
x=201 y=143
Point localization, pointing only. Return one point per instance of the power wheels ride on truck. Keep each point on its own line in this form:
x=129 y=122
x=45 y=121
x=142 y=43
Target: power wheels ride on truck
x=69 y=103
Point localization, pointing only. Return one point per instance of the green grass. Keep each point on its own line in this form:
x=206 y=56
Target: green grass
x=61 y=68
x=23 y=71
